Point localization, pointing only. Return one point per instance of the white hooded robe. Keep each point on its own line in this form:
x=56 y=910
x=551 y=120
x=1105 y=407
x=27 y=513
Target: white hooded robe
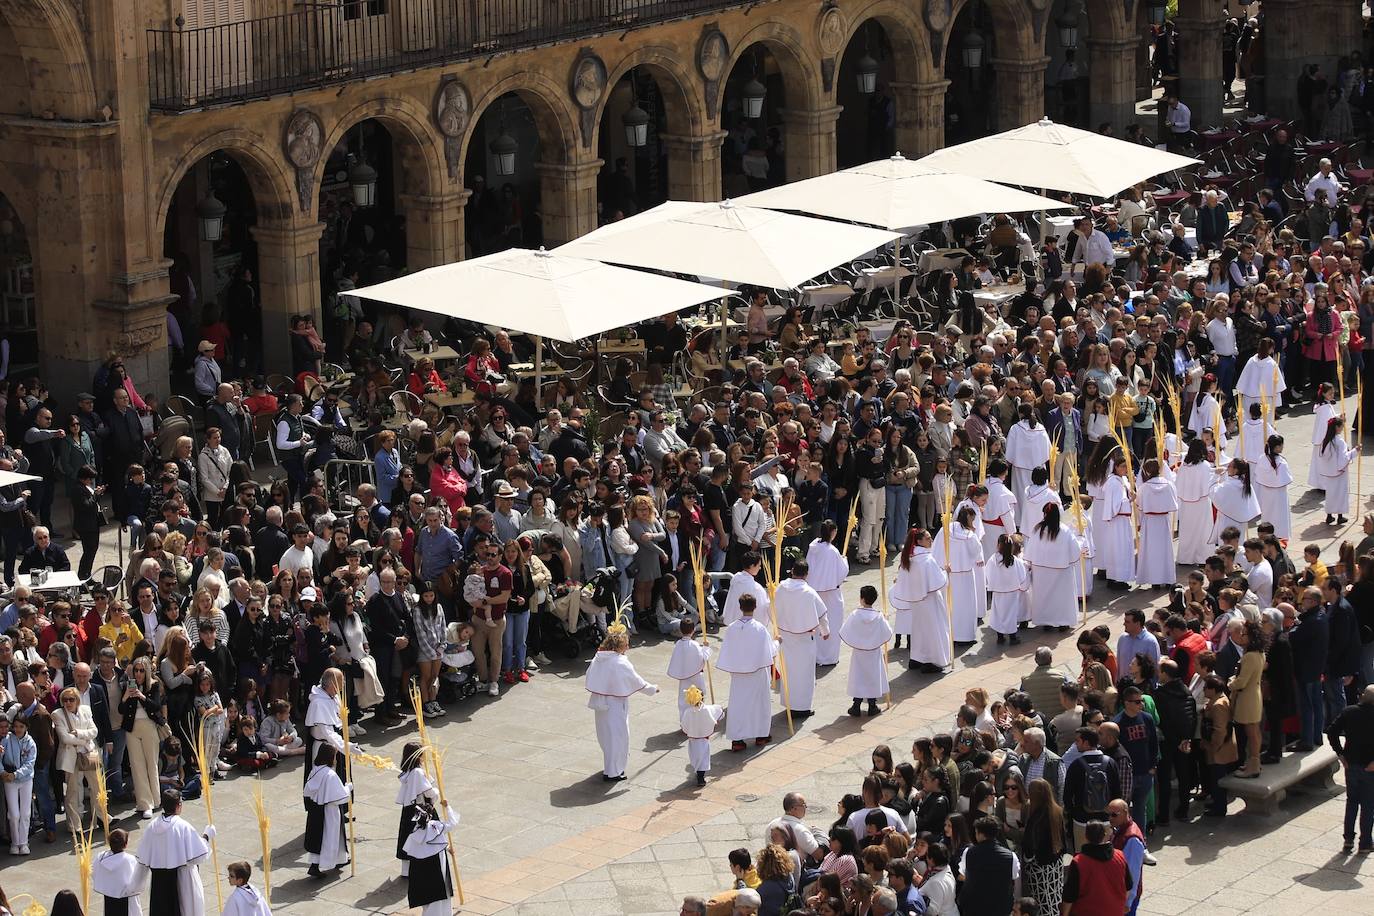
x=611 y=681
x=867 y=633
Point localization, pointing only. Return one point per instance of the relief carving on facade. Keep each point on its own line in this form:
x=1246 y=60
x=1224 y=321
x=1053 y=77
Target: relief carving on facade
x=586 y=85
x=452 y=113
x=713 y=56
x=303 y=142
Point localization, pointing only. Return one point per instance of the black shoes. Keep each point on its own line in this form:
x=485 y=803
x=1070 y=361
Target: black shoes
x=856 y=708
x=701 y=777
x=873 y=709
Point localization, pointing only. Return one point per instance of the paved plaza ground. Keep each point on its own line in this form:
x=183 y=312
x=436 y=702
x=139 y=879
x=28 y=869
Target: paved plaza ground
x=542 y=835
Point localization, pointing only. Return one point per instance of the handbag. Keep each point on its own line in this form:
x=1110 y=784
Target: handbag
x=86 y=761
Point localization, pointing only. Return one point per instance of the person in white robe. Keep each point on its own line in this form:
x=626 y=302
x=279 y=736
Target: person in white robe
x=611 y=681
x=829 y=569
x=1261 y=380
x=747 y=651
x=1008 y=582
x=1118 y=528
x=326 y=795
x=1323 y=410
x=999 y=513
x=244 y=900
x=1332 y=460
x=1259 y=575
x=1028 y=448
x=172 y=849
x=323 y=722
x=801 y=617
x=1271 y=477
x=118 y=876
x=1034 y=500
x=965 y=571
x=918 y=603
x=431 y=885
x=1158 y=501
x=699 y=720
x=415 y=788
x=1053 y=552
x=1193 y=487
x=1254 y=433
x=1096 y=492
x=1234 y=500
x=867 y=633
x=1081 y=524
x=745 y=582
x=1206 y=411
x=688 y=662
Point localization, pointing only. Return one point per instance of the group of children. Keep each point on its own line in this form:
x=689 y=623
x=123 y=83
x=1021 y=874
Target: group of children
x=236 y=737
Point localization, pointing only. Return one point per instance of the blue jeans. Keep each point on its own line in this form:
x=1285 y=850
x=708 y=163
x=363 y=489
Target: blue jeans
x=898 y=511
x=1226 y=373
x=135 y=532
x=1359 y=798
x=12 y=545
x=41 y=501
x=513 y=640
x=1334 y=691
x=47 y=805
x=1140 y=796
x=1312 y=712
x=114 y=762
x=1218 y=793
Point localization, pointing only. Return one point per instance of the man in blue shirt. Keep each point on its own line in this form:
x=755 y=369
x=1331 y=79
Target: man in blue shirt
x=437 y=546
x=1140 y=739
x=1136 y=640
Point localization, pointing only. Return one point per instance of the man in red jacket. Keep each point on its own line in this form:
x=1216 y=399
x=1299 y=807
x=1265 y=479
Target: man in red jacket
x=1187 y=645
x=1097 y=881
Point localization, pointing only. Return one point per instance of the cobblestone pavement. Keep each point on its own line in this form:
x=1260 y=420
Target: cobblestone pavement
x=542 y=835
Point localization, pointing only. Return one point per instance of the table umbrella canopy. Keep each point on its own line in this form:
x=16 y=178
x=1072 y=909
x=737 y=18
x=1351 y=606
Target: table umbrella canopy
x=1059 y=158
x=899 y=194
x=545 y=293
x=9 y=477
x=729 y=242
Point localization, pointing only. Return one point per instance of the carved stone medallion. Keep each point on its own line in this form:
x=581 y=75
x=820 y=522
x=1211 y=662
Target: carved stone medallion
x=452 y=108
x=588 y=80
x=713 y=54
x=938 y=14
x=303 y=142
x=830 y=31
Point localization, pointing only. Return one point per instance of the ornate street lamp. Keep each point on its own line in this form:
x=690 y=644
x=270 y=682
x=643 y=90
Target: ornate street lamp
x=210 y=211
x=636 y=122
x=754 y=92
x=867 y=74
x=362 y=179
x=1067 y=23
x=972 y=50
x=504 y=149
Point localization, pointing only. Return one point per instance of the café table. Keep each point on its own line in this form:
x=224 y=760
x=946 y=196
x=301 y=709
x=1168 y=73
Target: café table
x=1211 y=139
x=57 y=582
x=440 y=354
x=446 y=399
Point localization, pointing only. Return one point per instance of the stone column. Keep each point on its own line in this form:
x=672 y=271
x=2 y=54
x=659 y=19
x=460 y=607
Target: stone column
x=434 y=228
x=567 y=199
x=1199 y=68
x=289 y=281
x=1344 y=29
x=1020 y=92
x=920 y=117
x=693 y=165
x=809 y=141
x=1111 y=82
x=1285 y=24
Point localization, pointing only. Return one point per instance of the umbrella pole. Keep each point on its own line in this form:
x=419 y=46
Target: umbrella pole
x=724 y=332
x=539 y=372
x=896 y=280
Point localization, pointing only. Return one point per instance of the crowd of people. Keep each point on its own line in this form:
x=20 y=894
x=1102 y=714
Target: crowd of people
x=1006 y=453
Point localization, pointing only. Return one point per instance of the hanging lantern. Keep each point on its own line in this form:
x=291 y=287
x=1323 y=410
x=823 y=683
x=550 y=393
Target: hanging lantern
x=211 y=211
x=754 y=92
x=362 y=178
x=867 y=74
x=1067 y=23
x=1158 y=10
x=636 y=122
x=972 y=49
x=504 y=149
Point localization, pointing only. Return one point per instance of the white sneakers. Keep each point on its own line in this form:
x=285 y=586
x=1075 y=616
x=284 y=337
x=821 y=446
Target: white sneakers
x=357 y=730
x=494 y=689
x=145 y=815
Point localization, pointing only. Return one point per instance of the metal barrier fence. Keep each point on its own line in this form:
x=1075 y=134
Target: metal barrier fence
x=341 y=480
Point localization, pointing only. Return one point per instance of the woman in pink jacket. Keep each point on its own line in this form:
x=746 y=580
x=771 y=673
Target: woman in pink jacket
x=1321 y=338
x=445 y=482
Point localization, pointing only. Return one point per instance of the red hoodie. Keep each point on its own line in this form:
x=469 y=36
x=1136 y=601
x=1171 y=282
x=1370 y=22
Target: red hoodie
x=1186 y=652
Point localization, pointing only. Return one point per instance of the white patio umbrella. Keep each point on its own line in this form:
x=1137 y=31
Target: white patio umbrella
x=547 y=294
x=10 y=477
x=1058 y=158
x=733 y=243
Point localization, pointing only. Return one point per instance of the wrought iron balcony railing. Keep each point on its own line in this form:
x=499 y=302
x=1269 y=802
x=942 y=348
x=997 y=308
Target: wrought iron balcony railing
x=324 y=44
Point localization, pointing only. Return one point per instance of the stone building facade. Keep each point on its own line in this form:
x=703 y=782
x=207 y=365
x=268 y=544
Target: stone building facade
x=110 y=106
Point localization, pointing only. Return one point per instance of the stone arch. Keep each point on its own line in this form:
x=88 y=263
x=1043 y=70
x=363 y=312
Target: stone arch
x=1017 y=25
x=18 y=193
x=1109 y=19
x=685 y=106
x=801 y=80
x=553 y=115
x=906 y=34
x=48 y=36
x=272 y=183
x=421 y=168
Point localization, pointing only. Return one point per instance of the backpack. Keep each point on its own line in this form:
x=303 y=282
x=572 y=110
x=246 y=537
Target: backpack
x=1097 y=790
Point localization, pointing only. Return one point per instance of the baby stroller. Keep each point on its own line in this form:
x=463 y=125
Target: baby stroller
x=598 y=599
x=458 y=668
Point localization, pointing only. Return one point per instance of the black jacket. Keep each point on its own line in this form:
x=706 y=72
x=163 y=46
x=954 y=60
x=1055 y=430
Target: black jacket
x=1356 y=725
x=86 y=514
x=269 y=543
x=1343 y=650
x=1309 y=639
x=53 y=557
x=152 y=704
x=124 y=438
x=1278 y=675
x=569 y=444
x=1177 y=712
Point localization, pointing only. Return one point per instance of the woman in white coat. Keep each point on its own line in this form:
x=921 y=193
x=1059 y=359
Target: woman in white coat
x=1193 y=487
x=1158 y=501
x=1332 y=462
x=611 y=681
x=76 y=735
x=965 y=570
x=918 y=598
x=1008 y=581
x=1322 y=411
x=1053 y=552
x=1234 y=499
x=1028 y=448
x=1271 y=477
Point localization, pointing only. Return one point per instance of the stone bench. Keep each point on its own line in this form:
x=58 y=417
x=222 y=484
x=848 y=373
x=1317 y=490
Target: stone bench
x=1313 y=770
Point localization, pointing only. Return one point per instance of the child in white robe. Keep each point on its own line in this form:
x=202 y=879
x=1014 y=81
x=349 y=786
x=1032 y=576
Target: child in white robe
x=611 y=681
x=1057 y=569
x=699 y=720
x=1234 y=499
x=1028 y=448
x=688 y=662
x=918 y=600
x=1323 y=410
x=868 y=634
x=326 y=795
x=965 y=568
x=415 y=788
x=1271 y=477
x=1193 y=487
x=118 y=877
x=829 y=569
x=1158 y=500
x=1253 y=433
x=1261 y=380
x=747 y=652
x=431 y=885
x=745 y=582
x=1008 y=580
x=1331 y=459
x=245 y=899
